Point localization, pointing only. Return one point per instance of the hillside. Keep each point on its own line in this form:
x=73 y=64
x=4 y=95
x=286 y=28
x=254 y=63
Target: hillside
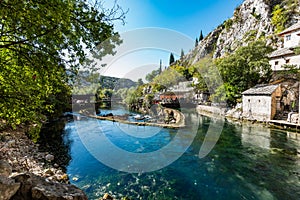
x=116 y=83
x=252 y=20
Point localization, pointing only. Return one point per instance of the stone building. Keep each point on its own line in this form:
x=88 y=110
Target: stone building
x=287 y=55
x=261 y=102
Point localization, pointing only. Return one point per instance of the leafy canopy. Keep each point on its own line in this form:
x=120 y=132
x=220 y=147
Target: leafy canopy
x=245 y=68
x=39 y=41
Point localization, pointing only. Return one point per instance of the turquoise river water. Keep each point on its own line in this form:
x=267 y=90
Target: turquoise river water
x=249 y=161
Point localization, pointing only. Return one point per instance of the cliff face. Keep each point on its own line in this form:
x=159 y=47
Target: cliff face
x=251 y=20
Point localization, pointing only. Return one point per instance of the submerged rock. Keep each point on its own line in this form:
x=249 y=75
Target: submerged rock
x=107 y=197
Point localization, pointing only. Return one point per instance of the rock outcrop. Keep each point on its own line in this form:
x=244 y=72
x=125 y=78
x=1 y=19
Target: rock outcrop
x=34 y=187
x=250 y=21
x=8 y=186
x=27 y=173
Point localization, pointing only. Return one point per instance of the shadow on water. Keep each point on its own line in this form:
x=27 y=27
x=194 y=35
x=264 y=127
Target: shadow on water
x=51 y=141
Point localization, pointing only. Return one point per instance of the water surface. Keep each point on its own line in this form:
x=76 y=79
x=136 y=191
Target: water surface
x=248 y=162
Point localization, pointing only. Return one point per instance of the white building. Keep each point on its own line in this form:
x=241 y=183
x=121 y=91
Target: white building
x=261 y=102
x=287 y=55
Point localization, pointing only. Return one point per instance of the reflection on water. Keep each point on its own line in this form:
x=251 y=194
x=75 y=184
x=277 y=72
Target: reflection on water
x=248 y=162
x=257 y=135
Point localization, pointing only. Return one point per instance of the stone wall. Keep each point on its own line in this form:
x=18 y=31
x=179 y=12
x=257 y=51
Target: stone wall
x=257 y=107
x=211 y=109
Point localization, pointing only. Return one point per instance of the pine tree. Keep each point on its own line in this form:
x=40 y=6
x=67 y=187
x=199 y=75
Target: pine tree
x=196 y=42
x=201 y=36
x=181 y=54
x=172 y=59
x=160 y=67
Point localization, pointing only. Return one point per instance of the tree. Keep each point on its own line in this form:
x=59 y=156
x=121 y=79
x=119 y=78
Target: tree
x=181 y=54
x=172 y=59
x=149 y=77
x=39 y=41
x=160 y=67
x=168 y=78
x=196 y=42
x=245 y=68
x=201 y=36
x=140 y=82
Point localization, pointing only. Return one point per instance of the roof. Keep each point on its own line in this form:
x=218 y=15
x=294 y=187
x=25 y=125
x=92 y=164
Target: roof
x=291 y=28
x=261 y=90
x=281 y=52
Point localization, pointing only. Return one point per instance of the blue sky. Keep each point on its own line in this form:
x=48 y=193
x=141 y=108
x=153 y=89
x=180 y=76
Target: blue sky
x=185 y=18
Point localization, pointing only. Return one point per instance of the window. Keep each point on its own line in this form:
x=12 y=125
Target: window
x=287 y=61
x=276 y=62
x=288 y=37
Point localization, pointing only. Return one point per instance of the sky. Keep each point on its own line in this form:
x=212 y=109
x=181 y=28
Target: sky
x=167 y=24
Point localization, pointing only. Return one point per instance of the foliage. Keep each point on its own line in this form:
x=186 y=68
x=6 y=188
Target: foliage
x=228 y=24
x=297 y=50
x=181 y=54
x=140 y=82
x=201 y=36
x=172 y=59
x=196 y=42
x=201 y=70
x=243 y=69
x=39 y=40
x=168 y=77
x=279 y=18
x=291 y=70
x=149 y=77
x=250 y=35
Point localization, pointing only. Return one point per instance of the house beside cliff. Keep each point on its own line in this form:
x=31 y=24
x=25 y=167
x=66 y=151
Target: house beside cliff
x=261 y=102
x=287 y=55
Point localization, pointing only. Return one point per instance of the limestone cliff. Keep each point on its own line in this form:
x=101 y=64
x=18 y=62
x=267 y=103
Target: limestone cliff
x=250 y=21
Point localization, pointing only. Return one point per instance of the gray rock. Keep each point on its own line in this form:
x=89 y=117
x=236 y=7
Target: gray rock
x=250 y=21
x=11 y=143
x=49 y=157
x=8 y=188
x=5 y=168
x=34 y=187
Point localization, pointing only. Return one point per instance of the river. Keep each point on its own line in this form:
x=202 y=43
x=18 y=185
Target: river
x=248 y=161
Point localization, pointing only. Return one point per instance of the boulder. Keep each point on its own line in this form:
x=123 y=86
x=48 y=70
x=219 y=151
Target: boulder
x=5 y=168
x=34 y=187
x=8 y=187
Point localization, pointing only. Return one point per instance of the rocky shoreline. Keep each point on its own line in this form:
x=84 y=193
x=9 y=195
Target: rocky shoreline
x=27 y=173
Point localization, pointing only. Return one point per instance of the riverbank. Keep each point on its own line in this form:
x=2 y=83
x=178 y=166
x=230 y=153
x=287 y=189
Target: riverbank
x=179 y=119
x=236 y=115
x=28 y=173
